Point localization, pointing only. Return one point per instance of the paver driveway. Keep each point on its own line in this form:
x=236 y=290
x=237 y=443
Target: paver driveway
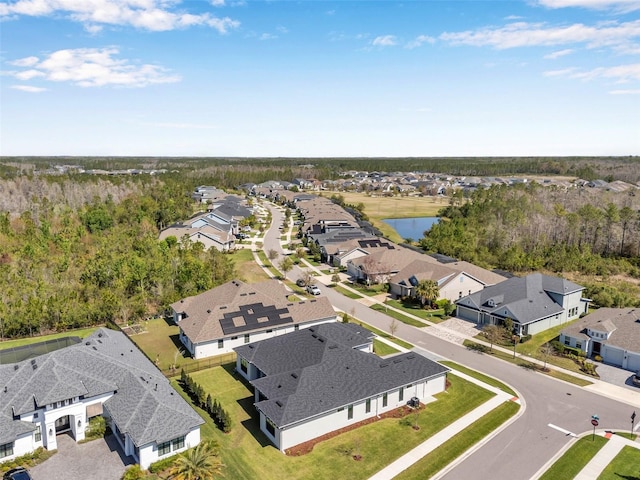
x=96 y=460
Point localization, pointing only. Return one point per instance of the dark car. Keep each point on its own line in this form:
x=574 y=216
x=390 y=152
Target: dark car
x=635 y=379
x=17 y=474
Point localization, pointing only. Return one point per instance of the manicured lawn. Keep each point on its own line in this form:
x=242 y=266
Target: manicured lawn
x=82 y=333
x=398 y=316
x=369 y=291
x=246 y=268
x=626 y=465
x=381 y=349
x=442 y=456
x=526 y=364
x=347 y=293
x=247 y=453
x=416 y=309
x=480 y=376
x=575 y=459
x=161 y=341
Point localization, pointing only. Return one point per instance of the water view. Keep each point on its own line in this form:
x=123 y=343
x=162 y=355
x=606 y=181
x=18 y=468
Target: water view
x=413 y=228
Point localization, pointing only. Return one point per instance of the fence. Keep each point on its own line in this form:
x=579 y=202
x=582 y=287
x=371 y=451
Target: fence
x=197 y=365
x=25 y=352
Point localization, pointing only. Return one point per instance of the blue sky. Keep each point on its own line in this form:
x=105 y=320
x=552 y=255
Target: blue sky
x=319 y=78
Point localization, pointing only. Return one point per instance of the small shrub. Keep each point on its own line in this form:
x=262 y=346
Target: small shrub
x=97 y=428
x=558 y=347
x=525 y=338
x=597 y=358
x=134 y=472
x=162 y=465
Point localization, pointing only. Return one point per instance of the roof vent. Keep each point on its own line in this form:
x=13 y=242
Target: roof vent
x=209 y=310
x=411 y=356
x=100 y=334
x=294 y=375
x=34 y=366
x=34 y=360
x=279 y=403
x=95 y=348
x=16 y=367
x=223 y=307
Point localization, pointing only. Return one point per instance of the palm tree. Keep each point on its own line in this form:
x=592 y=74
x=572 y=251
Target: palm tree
x=427 y=291
x=199 y=463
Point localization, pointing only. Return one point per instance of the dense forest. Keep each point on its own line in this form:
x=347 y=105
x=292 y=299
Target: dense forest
x=587 y=232
x=64 y=267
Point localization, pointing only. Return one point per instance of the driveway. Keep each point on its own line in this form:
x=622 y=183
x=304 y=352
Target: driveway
x=95 y=460
x=616 y=376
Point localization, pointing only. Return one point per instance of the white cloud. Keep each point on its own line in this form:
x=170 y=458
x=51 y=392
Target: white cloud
x=154 y=15
x=624 y=92
x=93 y=29
x=385 y=41
x=25 y=62
x=94 y=67
x=513 y=17
x=522 y=34
x=559 y=53
x=28 y=88
x=420 y=40
x=217 y=3
x=282 y=29
x=619 y=5
x=268 y=36
x=619 y=73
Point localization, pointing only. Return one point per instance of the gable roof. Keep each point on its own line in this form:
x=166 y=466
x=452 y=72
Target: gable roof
x=236 y=307
x=623 y=324
x=313 y=371
x=523 y=299
x=144 y=405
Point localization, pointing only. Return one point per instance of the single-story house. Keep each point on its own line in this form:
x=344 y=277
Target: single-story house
x=535 y=303
x=381 y=264
x=319 y=380
x=106 y=375
x=612 y=333
x=230 y=315
x=207 y=235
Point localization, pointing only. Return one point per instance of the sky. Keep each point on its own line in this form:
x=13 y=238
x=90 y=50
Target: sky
x=313 y=78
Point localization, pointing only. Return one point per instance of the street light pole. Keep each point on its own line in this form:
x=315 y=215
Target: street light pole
x=633 y=419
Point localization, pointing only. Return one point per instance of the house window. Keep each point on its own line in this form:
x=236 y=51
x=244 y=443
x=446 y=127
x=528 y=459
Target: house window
x=349 y=412
x=459 y=294
x=271 y=428
x=401 y=394
x=244 y=365
x=247 y=337
x=367 y=406
x=296 y=328
x=384 y=400
x=221 y=343
x=164 y=448
x=6 y=450
x=567 y=341
x=35 y=415
x=579 y=345
x=37 y=435
x=234 y=338
x=177 y=443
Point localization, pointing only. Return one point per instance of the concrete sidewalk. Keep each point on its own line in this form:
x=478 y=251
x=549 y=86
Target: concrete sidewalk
x=607 y=453
x=429 y=445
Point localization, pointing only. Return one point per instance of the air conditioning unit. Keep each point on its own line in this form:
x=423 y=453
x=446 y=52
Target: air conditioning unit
x=414 y=402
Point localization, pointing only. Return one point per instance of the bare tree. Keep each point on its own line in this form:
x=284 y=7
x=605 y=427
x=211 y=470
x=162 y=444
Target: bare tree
x=545 y=351
x=393 y=327
x=493 y=333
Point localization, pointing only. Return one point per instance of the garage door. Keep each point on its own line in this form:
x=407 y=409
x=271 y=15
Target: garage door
x=612 y=355
x=633 y=362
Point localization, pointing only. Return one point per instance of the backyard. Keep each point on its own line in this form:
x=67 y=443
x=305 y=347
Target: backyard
x=378 y=443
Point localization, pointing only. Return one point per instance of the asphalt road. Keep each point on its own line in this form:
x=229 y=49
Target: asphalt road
x=521 y=449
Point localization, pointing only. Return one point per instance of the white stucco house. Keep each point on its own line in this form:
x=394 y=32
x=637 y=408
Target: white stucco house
x=58 y=392
x=535 y=303
x=230 y=315
x=321 y=379
x=612 y=333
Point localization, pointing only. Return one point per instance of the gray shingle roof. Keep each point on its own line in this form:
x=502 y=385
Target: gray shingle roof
x=523 y=299
x=309 y=374
x=622 y=323
x=145 y=405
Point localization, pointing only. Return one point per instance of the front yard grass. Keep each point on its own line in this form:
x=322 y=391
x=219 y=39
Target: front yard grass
x=526 y=364
x=626 y=465
x=575 y=459
x=161 y=341
x=398 y=316
x=386 y=335
x=370 y=290
x=347 y=293
x=246 y=268
x=431 y=315
x=382 y=349
x=479 y=376
x=442 y=456
x=19 y=342
x=378 y=443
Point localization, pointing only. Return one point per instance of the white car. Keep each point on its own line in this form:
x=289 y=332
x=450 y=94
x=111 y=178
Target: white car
x=313 y=289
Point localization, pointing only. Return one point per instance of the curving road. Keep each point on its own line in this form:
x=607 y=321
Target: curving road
x=521 y=449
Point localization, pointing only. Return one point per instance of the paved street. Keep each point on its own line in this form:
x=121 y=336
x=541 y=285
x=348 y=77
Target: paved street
x=521 y=449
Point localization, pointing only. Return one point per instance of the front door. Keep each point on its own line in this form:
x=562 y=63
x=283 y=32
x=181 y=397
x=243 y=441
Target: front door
x=596 y=348
x=63 y=424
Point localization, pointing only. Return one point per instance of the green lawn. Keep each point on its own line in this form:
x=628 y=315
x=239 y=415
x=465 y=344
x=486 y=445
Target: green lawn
x=442 y=456
x=626 y=465
x=527 y=364
x=574 y=459
x=379 y=443
x=386 y=335
x=435 y=315
x=246 y=268
x=381 y=349
x=369 y=291
x=398 y=316
x=480 y=376
x=347 y=293
x=82 y=333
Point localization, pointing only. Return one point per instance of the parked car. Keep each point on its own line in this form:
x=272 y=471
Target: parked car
x=313 y=289
x=636 y=379
x=19 y=473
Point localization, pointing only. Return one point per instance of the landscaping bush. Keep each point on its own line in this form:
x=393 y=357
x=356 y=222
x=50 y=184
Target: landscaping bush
x=525 y=338
x=597 y=358
x=558 y=347
x=161 y=465
x=28 y=460
x=134 y=472
x=97 y=428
